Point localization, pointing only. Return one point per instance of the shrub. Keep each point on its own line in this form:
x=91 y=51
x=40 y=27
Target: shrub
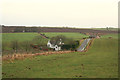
x=70 y=46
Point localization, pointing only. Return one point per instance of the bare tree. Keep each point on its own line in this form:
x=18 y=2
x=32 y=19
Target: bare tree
x=14 y=45
x=26 y=45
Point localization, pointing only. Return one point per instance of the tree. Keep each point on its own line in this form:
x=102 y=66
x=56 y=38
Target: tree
x=3 y=46
x=56 y=40
x=107 y=28
x=14 y=45
x=26 y=46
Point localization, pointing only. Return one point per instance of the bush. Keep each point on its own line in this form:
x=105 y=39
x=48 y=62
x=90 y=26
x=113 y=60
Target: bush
x=70 y=46
x=69 y=43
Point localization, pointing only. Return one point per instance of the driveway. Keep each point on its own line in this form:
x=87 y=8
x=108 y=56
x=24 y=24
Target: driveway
x=83 y=45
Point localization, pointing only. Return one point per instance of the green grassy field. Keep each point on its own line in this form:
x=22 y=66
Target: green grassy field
x=7 y=37
x=76 y=36
x=101 y=61
x=115 y=36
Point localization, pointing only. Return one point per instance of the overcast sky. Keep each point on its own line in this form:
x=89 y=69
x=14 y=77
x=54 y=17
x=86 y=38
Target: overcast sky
x=71 y=13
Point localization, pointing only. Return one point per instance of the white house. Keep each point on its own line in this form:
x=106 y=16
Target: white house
x=56 y=47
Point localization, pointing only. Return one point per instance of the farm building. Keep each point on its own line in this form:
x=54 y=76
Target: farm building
x=56 y=47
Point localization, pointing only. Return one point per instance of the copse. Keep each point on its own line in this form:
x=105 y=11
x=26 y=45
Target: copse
x=39 y=43
x=69 y=43
x=55 y=40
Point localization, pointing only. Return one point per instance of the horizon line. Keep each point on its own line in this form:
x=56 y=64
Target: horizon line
x=59 y=26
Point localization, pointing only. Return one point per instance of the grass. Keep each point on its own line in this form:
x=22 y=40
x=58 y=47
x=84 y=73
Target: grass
x=76 y=36
x=101 y=61
x=7 y=37
x=110 y=29
x=115 y=36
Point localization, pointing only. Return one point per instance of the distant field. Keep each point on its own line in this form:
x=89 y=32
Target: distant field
x=7 y=37
x=76 y=36
x=110 y=35
x=111 y=29
x=101 y=61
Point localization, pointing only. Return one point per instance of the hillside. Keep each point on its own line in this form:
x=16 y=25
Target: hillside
x=101 y=61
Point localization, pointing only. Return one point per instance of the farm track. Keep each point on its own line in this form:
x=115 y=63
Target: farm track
x=83 y=45
x=44 y=36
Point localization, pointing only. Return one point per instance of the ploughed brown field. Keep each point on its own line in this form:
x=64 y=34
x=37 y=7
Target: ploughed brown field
x=10 y=29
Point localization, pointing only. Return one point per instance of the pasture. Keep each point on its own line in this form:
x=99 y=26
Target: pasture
x=21 y=39
x=76 y=36
x=7 y=37
x=101 y=61
x=110 y=29
x=115 y=36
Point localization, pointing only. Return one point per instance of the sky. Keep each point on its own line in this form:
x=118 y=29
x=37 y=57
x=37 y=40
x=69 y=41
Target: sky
x=59 y=13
